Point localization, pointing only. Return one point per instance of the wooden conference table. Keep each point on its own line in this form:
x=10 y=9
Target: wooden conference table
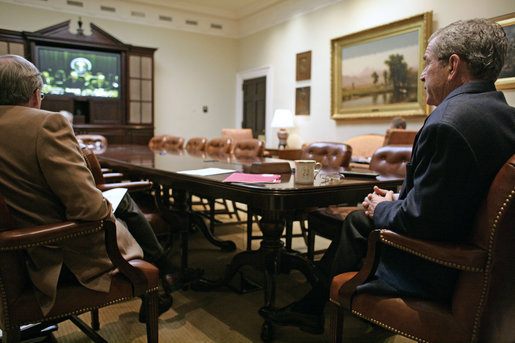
x=273 y=202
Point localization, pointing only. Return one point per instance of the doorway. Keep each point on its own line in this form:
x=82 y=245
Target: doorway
x=254 y=105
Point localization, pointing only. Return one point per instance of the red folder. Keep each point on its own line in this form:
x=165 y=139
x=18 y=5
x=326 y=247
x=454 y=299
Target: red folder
x=253 y=178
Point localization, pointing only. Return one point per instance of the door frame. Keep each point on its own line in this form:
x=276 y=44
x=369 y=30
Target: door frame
x=254 y=73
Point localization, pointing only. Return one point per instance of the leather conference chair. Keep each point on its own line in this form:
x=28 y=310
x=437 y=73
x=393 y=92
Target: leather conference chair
x=399 y=136
x=219 y=149
x=364 y=146
x=196 y=147
x=389 y=162
x=166 y=142
x=483 y=302
x=19 y=305
x=237 y=135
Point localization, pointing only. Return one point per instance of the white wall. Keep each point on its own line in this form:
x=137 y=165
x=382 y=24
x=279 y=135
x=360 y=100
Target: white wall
x=278 y=46
x=192 y=70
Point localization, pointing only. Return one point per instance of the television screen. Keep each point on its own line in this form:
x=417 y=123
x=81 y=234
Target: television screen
x=78 y=72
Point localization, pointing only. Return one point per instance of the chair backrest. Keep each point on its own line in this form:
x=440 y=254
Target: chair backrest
x=93 y=165
x=330 y=154
x=167 y=142
x=219 y=146
x=391 y=160
x=364 y=146
x=237 y=135
x=248 y=148
x=399 y=136
x=94 y=142
x=485 y=302
x=196 y=144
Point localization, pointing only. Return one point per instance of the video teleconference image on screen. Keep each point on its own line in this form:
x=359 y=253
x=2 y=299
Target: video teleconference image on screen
x=79 y=73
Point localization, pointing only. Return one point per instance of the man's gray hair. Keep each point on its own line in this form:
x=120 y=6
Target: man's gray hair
x=480 y=42
x=19 y=79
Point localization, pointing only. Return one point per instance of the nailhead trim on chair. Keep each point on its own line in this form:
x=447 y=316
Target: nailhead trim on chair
x=475 y=327
x=388 y=327
x=429 y=258
x=25 y=246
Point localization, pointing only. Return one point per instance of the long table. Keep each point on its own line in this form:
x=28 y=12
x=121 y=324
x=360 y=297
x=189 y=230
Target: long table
x=273 y=202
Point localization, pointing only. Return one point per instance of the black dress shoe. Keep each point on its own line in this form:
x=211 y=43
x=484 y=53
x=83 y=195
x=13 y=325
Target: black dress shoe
x=181 y=279
x=287 y=316
x=164 y=304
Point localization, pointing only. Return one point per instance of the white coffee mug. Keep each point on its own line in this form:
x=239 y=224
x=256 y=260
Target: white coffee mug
x=306 y=171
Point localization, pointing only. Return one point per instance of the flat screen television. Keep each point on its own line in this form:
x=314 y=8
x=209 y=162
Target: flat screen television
x=72 y=72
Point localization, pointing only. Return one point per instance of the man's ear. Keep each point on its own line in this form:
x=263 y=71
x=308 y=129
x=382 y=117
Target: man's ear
x=35 y=99
x=453 y=65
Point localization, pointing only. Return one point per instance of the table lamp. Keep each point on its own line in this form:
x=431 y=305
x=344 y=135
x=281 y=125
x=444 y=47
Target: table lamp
x=282 y=119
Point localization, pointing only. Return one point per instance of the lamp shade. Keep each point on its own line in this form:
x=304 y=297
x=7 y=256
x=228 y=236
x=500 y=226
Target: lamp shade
x=283 y=118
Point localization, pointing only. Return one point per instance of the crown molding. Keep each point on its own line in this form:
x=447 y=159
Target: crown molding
x=183 y=16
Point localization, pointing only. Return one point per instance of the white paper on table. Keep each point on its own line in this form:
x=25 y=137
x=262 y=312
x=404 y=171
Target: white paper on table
x=114 y=196
x=206 y=171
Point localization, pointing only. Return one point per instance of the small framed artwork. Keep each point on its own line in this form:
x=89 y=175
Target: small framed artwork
x=375 y=73
x=304 y=66
x=506 y=78
x=302 y=100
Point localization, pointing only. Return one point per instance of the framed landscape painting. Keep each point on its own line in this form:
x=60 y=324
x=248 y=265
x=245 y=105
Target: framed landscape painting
x=375 y=73
x=506 y=79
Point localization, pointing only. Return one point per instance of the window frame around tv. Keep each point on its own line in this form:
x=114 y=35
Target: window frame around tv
x=116 y=54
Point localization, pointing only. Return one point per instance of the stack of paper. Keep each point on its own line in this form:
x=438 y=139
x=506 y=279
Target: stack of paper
x=253 y=178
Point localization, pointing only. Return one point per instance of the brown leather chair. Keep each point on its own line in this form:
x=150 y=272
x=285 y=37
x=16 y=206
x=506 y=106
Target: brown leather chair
x=19 y=305
x=196 y=147
x=331 y=155
x=483 y=303
x=166 y=142
x=248 y=150
x=389 y=162
x=364 y=146
x=92 y=141
x=219 y=148
x=237 y=135
x=399 y=136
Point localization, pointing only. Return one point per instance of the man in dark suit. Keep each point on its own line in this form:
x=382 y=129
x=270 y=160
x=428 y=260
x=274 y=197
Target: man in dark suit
x=456 y=155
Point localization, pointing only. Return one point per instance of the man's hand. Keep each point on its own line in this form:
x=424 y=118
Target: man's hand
x=372 y=199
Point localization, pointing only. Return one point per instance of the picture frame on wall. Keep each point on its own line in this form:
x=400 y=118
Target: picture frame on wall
x=506 y=78
x=302 y=100
x=303 y=65
x=375 y=72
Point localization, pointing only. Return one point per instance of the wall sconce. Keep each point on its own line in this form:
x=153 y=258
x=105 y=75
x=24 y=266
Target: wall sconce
x=282 y=119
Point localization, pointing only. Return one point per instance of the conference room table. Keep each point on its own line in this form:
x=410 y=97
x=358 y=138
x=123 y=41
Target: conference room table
x=273 y=202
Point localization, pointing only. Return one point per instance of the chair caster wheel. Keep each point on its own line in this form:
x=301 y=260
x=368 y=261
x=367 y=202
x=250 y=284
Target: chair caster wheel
x=267 y=332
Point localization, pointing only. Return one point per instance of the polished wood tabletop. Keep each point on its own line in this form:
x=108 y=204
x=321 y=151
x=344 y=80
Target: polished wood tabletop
x=165 y=167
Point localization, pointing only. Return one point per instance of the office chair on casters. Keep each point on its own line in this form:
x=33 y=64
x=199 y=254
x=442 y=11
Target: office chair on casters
x=19 y=305
x=483 y=302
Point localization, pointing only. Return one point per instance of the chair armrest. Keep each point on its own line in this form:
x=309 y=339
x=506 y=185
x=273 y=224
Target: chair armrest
x=132 y=186
x=458 y=256
x=18 y=239
x=113 y=176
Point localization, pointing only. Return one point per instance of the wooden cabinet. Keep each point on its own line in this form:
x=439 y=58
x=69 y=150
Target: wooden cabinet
x=124 y=119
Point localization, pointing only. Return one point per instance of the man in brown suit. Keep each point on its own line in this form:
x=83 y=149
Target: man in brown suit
x=44 y=180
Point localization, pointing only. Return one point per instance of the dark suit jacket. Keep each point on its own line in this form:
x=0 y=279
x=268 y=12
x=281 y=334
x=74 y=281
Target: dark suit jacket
x=456 y=155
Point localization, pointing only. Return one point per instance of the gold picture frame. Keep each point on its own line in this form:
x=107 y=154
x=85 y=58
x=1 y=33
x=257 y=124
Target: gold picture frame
x=302 y=100
x=375 y=73
x=506 y=78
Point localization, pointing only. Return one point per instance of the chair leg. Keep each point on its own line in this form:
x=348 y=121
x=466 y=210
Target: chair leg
x=95 y=322
x=249 y=230
x=95 y=337
x=336 y=323
x=152 y=315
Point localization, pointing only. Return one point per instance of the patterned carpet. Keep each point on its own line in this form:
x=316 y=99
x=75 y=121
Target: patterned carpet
x=222 y=315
